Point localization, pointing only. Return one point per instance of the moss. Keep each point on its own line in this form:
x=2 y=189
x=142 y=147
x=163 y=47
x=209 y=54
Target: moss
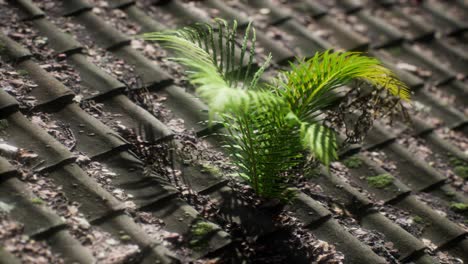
x=395 y=51
x=353 y=162
x=456 y=162
x=202 y=228
x=199 y=232
x=3 y=48
x=461 y=171
x=209 y=168
x=22 y=72
x=450 y=193
x=460 y=167
x=313 y=173
x=36 y=200
x=3 y=124
x=419 y=220
x=125 y=238
x=459 y=207
x=380 y=181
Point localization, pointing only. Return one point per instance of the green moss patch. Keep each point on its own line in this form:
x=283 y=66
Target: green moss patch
x=37 y=200
x=200 y=233
x=419 y=220
x=380 y=181
x=396 y=51
x=3 y=48
x=449 y=193
x=461 y=171
x=3 y=124
x=209 y=168
x=353 y=162
x=22 y=72
x=125 y=238
x=313 y=173
x=456 y=162
x=459 y=207
x=459 y=166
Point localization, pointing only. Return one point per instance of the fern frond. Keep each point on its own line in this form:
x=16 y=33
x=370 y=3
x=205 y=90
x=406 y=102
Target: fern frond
x=309 y=88
x=311 y=83
x=269 y=128
x=264 y=145
x=192 y=44
x=320 y=141
x=220 y=42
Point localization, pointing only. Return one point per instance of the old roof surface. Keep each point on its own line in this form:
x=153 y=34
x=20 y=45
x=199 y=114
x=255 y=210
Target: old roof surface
x=78 y=89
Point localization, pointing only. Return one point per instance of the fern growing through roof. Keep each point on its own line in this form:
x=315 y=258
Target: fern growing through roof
x=272 y=127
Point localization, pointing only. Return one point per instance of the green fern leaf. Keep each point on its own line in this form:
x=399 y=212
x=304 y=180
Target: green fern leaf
x=268 y=128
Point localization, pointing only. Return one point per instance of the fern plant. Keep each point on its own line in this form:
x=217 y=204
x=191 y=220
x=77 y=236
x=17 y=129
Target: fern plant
x=274 y=127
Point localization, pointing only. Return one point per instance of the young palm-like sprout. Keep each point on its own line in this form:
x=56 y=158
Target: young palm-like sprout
x=272 y=127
